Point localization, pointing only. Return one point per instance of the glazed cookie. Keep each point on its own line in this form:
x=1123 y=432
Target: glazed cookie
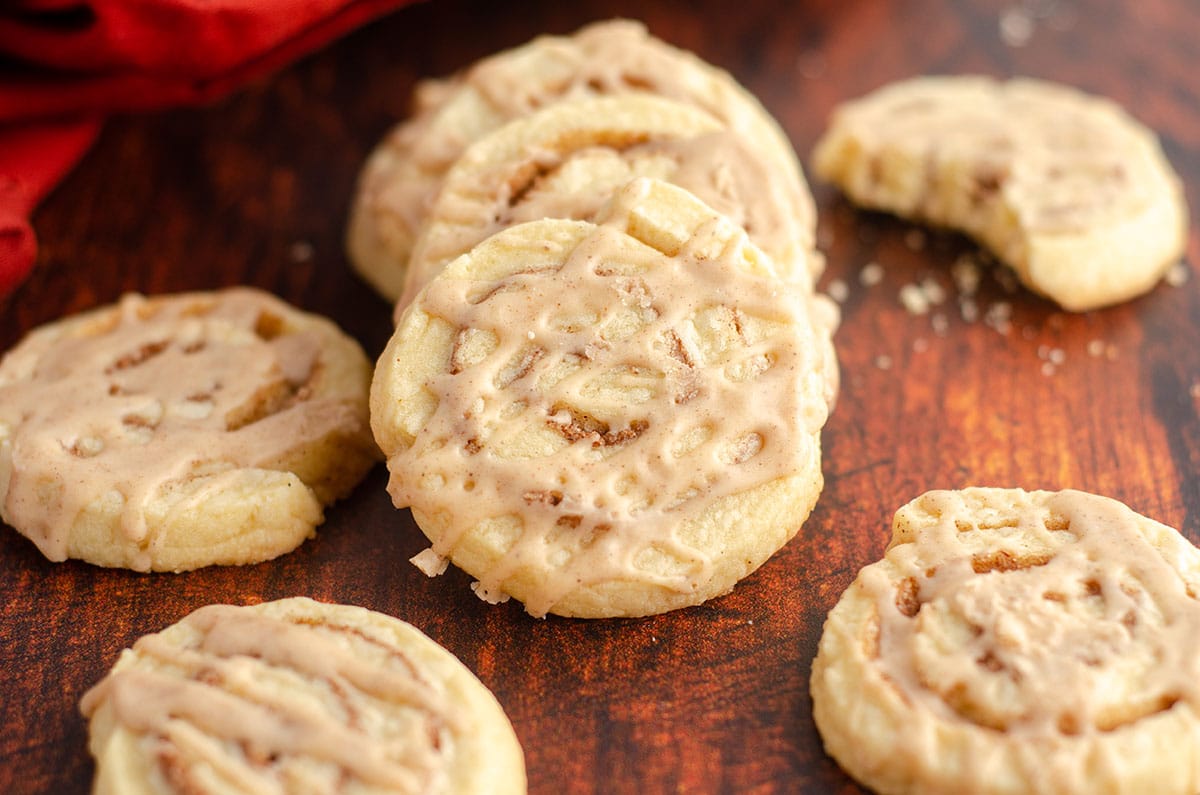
x=174 y=432
x=567 y=161
x=297 y=696
x=1013 y=642
x=1064 y=187
x=610 y=419
x=404 y=172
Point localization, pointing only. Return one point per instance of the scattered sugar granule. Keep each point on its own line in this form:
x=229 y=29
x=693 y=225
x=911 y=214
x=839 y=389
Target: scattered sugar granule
x=301 y=251
x=920 y=345
x=912 y=297
x=915 y=239
x=999 y=317
x=1095 y=348
x=968 y=309
x=1195 y=390
x=1028 y=332
x=1110 y=353
x=883 y=362
x=871 y=274
x=1047 y=368
x=838 y=290
x=1043 y=352
x=966 y=275
x=939 y=324
x=1057 y=356
x=934 y=292
x=1016 y=26
x=1178 y=275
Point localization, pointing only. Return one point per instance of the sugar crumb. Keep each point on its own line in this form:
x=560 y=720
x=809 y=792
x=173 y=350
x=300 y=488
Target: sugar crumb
x=939 y=324
x=934 y=292
x=1047 y=368
x=920 y=345
x=999 y=317
x=912 y=297
x=871 y=274
x=1016 y=26
x=968 y=309
x=838 y=290
x=1178 y=275
x=883 y=362
x=965 y=273
x=1095 y=348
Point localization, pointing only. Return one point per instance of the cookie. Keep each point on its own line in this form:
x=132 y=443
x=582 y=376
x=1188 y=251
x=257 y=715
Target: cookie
x=403 y=173
x=606 y=419
x=567 y=160
x=297 y=696
x=1066 y=188
x=1017 y=642
x=174 y=432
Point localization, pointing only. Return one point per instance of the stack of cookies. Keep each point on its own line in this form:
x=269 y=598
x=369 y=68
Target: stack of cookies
x=609 y=373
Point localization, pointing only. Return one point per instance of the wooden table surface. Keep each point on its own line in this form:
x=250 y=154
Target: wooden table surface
x=712 y=699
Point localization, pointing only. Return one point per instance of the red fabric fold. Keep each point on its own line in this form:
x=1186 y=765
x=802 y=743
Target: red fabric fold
x=65 y=64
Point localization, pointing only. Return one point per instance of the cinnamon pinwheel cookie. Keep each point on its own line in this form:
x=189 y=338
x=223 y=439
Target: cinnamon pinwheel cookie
x=606 y=419
x=175 y=432
x=1066 y=188
x=567 y=161
x=297 y=696
x=1017 y=642
x=618 y=57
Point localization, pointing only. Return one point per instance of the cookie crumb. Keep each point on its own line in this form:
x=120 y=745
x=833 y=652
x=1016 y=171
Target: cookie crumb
x=838 y=290
x=1178 y=275
x=871 y=274
x=883 y=362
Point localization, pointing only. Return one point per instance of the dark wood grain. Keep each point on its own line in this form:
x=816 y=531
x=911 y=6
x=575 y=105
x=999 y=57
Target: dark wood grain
x=713 y=699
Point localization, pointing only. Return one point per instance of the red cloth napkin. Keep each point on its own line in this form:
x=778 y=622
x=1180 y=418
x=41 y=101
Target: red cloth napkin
x=65 y=64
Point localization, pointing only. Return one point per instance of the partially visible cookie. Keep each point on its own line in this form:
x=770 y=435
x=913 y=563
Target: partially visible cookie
x=297 y=696
x=606 y=419
x=567 y=160
x=175 y=432
x=617 y=57
x=1017 y=642
x=1066 y=188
